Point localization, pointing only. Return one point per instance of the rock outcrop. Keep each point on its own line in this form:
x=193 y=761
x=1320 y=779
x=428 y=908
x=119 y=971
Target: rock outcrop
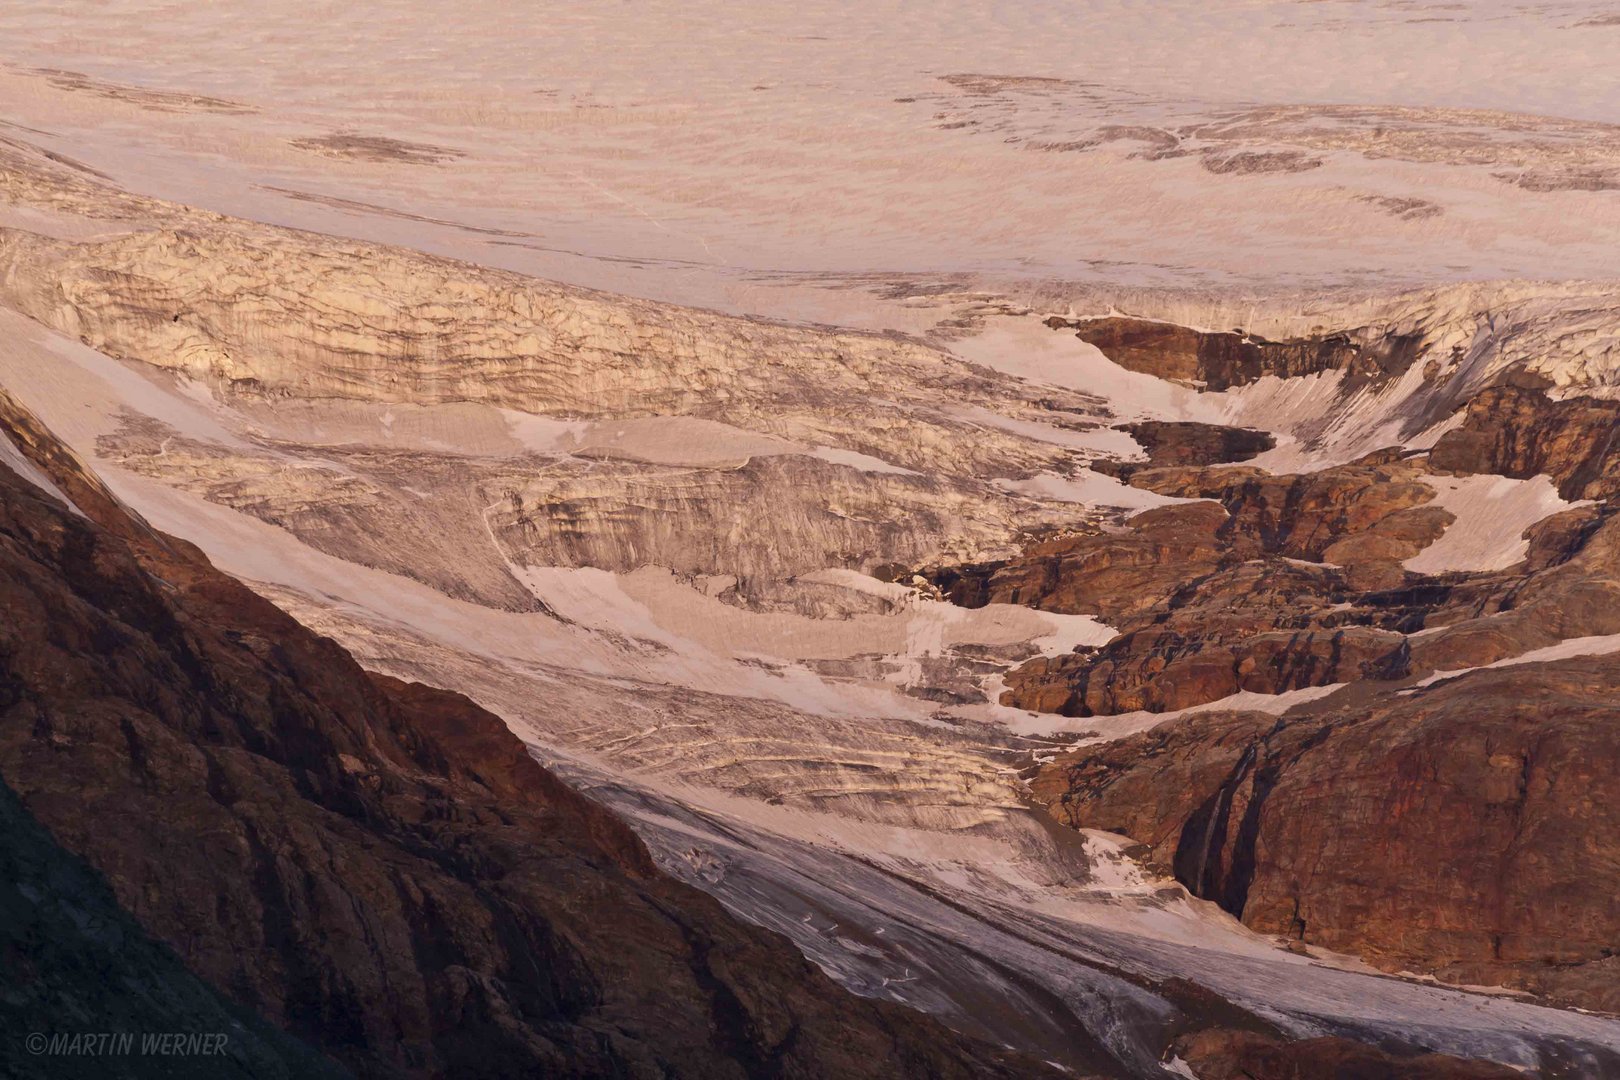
x=1258 y=585
x=77 y=963
x=1187 y=442
x=1220 y=360
x=1443 y=812
x=1459 y=829
x=1519 y=431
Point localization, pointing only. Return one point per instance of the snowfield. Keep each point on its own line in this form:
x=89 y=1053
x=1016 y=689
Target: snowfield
x=725 y=153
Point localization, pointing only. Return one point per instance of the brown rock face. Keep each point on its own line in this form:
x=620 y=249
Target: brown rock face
x=1372 y=510
x=1516 y=431
x=1463 y=829
x=1220 y=596
x=1220 y=1054
x=1115 y=575
x=1191 y=443
x=1367 y=514
x=1220 y=361
x=75 y=962
x=1157 y=670
x=378 y=868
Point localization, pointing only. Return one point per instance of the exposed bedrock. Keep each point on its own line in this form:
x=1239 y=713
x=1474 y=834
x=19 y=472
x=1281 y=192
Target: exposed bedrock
x=376 y=866
x=1257 y=586
x=1465 y=829
x=77 y=962
x=1367 y=515
x=1273 y=583
x=1114 y=575
x=1273 y=625
x=1159 y=670
x=1520 y=431
x=1215 y=360
x=1187 y=442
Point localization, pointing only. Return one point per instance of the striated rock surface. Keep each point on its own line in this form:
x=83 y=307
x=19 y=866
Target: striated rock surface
x=376 y=866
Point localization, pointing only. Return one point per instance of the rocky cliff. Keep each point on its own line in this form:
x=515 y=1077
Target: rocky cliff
x=1458 y=828
x=1443 y=808
x=78 y=963
x=1216 y=360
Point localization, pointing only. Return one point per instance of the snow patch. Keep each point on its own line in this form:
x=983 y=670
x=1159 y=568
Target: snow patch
x=863 y=462
x=1597 y=645
x=1101 y=729
x=1090 y=489
x=1492 y=513
x=1177 y=1067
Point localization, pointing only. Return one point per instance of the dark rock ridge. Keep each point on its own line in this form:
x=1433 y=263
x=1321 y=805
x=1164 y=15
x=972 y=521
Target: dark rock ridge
x=1465 y=828
x=379 y=868
x=1220 y=360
